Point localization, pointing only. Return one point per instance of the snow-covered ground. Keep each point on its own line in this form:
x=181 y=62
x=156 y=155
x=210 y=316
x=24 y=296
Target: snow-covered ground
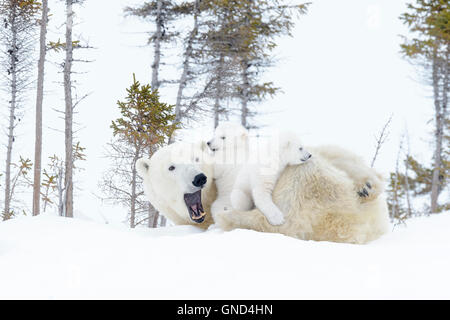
x=54 y=258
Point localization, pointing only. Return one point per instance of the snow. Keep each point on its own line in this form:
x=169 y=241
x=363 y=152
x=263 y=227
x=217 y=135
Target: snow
x=49 y=257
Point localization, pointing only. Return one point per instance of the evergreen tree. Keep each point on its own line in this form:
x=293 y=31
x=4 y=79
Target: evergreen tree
x=429 y=47
x=415 y=180
x=162 y=13
x=226 y=51
x=17 y=36
x=238 y=43
x=54 y=180
x=145 y=125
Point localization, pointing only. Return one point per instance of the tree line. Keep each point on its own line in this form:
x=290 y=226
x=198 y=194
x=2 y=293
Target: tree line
x=427 y=46
x=24 y=29
x=225 y=47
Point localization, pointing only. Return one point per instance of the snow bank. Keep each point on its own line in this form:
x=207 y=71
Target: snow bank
x=54 y=258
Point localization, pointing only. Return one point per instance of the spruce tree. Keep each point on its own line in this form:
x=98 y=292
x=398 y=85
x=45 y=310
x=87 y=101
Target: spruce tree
x=239 y=44
x=429 y=47
x=145 y=125
x=18 y=39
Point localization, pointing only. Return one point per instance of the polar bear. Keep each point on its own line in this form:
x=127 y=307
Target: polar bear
x=230 y=147
x=231 y=137
x=178 y=182
x=256 y=179
x=321 y=200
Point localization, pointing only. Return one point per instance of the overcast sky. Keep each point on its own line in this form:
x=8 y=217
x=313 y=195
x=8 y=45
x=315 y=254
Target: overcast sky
x=341 y=74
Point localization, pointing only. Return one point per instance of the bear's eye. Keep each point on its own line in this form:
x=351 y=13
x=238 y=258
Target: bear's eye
x=301 y=149
x=197 y=159
x=171 y=168
x=223 y=138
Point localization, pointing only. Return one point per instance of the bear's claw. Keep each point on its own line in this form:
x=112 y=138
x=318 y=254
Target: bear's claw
x=364 y=192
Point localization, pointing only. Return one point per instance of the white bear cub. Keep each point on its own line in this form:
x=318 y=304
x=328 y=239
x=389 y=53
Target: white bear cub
x=230 y=147
x=256 y=180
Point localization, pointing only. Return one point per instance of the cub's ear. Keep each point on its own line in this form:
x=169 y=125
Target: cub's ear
x=142 y=166
x=244 y=134
x=285 y=144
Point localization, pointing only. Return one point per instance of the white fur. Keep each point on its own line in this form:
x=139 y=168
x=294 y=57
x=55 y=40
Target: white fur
x=165 y=188
x=230 y=148
x=255 y=181
x=229 y=137
x=318 y=199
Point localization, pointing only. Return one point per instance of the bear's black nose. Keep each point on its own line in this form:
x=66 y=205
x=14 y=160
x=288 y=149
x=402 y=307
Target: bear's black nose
x=199 y=180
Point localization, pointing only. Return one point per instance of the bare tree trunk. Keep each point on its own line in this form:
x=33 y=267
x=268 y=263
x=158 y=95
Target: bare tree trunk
x=245 y=94
x=219 y=91
x=39 y=102
x=186 y=66
x=157 y=54
x=216 y=110
x=158 y=39
x=12 y=110
x=155 y=219
x=151 y=212
x=61 y=210
x=381 y=139
x=408 y=199
x=439 y=132
x=133 y=190
x=68 y=175
x=163 y=221
x=396 y=205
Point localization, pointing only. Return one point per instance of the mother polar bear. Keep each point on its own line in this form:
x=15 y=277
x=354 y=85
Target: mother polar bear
x=334 y=197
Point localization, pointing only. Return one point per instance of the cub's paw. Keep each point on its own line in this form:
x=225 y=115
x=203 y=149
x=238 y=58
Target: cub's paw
x=276 y=219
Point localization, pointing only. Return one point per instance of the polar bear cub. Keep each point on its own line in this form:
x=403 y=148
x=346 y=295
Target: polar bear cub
x=230 y=147
x=230 y=144
x=256 y=179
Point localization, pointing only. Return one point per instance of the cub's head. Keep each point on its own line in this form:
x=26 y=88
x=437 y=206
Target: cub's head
x=292 y=151
x=174 y=179
x=228 y=136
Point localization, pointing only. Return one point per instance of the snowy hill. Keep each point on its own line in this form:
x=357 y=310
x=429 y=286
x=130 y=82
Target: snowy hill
x=55 y=258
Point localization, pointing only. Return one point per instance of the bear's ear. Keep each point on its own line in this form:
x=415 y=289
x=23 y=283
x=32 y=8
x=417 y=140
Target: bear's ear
x=142 y=166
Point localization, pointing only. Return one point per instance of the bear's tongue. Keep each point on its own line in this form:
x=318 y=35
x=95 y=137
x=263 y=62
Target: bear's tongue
x=194 y=208
x=197 y=209
x=194 y=203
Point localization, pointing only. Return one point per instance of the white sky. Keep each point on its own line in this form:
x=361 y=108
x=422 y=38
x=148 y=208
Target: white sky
x=341 y=74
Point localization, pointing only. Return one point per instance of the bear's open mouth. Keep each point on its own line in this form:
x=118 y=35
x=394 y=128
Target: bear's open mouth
x=194 y=205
